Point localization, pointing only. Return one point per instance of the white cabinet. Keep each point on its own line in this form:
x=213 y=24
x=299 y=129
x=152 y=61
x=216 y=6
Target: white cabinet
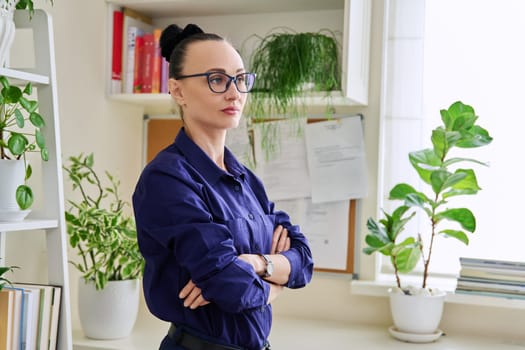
x=49 y=216
x=239 y=20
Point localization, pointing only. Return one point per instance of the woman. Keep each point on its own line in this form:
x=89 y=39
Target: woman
x=217 y=254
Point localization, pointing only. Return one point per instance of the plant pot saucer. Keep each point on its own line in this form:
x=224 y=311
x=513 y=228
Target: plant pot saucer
x=414 y=337
x=14 y=215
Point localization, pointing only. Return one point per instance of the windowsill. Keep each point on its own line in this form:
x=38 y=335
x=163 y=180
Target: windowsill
x=380 y=288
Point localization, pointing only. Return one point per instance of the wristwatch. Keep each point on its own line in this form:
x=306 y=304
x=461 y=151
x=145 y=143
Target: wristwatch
x=269 y=265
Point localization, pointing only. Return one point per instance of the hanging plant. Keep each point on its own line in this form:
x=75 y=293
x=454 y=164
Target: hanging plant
x=288 y=66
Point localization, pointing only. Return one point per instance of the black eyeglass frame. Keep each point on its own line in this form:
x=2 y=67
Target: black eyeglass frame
x=228 y=83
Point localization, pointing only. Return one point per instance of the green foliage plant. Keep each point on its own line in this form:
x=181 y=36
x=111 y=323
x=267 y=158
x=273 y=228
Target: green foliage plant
x=3 y=270
x=445 y=179
x=20 y=132
x=288 y=64
x=103 y=235
x=22 y=5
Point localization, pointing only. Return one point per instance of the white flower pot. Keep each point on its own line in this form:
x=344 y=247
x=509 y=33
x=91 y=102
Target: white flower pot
x=109 y=313
x=12 y=174
x=416 y=314
x=7 y=29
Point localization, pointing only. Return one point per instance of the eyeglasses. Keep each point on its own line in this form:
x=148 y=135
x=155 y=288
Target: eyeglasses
x=220 y=82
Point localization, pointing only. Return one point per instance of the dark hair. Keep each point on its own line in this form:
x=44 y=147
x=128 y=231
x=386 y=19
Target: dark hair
x=174 y=43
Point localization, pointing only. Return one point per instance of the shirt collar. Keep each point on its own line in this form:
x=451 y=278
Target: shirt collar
x=204 y=165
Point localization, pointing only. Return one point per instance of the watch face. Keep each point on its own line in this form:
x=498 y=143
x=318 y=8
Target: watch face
x=269 y=268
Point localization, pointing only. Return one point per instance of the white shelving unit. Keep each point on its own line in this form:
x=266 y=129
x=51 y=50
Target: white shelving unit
x=50 y=216
x=238 y=20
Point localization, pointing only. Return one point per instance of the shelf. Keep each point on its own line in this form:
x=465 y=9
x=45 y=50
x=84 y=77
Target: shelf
x=28 y=224
x=162 y=102
x=183 y=8
x=21 y=77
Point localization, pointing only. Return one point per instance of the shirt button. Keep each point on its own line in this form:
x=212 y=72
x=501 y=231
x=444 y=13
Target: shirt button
x=237 y=188
x=251 y=216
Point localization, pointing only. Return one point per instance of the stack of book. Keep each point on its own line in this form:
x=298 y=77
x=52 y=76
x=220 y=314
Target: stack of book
x=29 y=316
x=489 y=277
x=137 y=65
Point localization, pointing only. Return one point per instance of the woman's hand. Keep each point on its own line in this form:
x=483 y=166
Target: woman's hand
x=192 y=296
x=280 y=240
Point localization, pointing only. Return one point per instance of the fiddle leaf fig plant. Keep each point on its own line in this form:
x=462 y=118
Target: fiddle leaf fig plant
x=444 y=177
x=21 y=132
x=104 y=236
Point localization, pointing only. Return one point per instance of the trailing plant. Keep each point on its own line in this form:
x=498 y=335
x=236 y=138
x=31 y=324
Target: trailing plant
x=103 y=235
x=288 y=64
x=21 y=132
x=444 y=179
x=3 y=270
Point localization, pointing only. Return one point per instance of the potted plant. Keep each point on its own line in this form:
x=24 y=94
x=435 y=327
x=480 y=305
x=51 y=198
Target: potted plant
x=20 y=132
x=445 y=177
x=105 y=239
x=7 y=25
x=288 y=65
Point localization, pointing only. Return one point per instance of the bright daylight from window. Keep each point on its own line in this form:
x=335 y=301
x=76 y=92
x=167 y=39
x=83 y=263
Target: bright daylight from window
x=474 y=51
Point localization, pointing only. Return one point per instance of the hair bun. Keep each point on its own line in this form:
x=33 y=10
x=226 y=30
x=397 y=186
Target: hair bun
x=172 y=35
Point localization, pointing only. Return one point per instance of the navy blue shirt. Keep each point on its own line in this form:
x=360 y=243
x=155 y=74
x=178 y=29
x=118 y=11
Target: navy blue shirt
x=193 y=221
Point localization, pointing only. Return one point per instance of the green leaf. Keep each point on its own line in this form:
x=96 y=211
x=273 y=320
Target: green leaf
x=401 y=191
x=17 y=143
x=19 y=117
x=11 y=94
x=406 y=255
x=28 y=90
x=463 y=216
x=459 y=235
x=40 y=140
x=37 y=120
x=24 y=196
x=29 y=172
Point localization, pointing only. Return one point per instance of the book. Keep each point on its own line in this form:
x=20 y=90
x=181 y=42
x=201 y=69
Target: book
x=157 y=62
x=490 y=294
x=55 y=317
x=137 y=67
x=6 y=317
x=164 y=75
x=30 y=319
x=491 y=285
x=491 y=273
x=116 y=57
x=146 y=63
x=141 y=24
x=44 y=304
x=492 y=264
x=18 y=318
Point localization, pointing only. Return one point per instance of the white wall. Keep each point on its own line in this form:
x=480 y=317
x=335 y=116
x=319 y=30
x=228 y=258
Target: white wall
x=113 y=131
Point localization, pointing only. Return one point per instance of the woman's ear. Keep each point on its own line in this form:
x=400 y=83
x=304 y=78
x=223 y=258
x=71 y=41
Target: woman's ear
x=175 y=91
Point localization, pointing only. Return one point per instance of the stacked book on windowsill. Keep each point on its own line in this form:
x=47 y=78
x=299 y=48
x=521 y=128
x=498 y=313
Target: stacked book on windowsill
x=489 y=277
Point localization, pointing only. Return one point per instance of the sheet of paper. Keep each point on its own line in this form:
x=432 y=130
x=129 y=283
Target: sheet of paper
x=326 y=227
x=336 y=159
x=284 y=171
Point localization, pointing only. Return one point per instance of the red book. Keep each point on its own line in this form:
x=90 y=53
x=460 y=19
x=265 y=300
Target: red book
x=137 y=71
x=146 y=62
x=116 y=63
x=157 y=62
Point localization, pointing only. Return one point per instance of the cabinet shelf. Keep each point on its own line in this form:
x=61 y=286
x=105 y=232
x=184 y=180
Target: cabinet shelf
x=48 y=214
x=350 y=18
x=20 y=76
x=153 y=103
x=28 y=224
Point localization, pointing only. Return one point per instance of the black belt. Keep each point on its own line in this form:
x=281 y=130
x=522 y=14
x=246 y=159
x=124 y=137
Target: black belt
x=192 y=342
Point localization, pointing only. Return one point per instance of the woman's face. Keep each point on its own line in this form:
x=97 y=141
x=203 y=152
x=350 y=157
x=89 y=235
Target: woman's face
x=200 y=105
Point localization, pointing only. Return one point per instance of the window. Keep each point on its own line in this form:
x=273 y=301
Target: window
x=441 y=51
